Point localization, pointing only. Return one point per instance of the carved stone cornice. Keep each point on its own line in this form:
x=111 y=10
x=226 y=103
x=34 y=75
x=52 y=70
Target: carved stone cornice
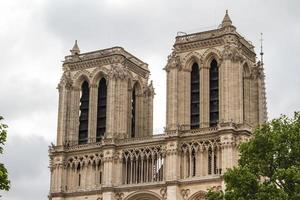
x=78 y=63
x=212 y=38
x=199 y=44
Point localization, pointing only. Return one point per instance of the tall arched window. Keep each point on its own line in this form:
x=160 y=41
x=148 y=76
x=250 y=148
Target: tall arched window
x=84 y=113
x=246 y=93
x=195 y=95
x=101 y=109
x=213 y=93
x=133 y=111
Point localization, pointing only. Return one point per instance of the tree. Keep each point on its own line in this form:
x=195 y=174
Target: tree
x=269 y=164
x=4 y=182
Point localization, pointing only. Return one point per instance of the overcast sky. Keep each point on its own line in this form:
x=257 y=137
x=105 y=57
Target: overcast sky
x=35 y=35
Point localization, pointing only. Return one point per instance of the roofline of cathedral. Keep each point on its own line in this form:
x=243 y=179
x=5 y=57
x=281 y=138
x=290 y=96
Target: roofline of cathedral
x=70 y=59
x=212 y=34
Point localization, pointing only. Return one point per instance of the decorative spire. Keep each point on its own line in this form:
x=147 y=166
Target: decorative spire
x=226 y=20
x=261 y=49
x=75 y=50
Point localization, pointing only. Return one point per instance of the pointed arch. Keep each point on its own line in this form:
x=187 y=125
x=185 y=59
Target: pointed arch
x=80 y=77
x=98 y=74
x=211 y=54
x=190 y=59
x=200 y=195
x=84 y=113
x=246 y=85
x=246 y=69
x=143 y=195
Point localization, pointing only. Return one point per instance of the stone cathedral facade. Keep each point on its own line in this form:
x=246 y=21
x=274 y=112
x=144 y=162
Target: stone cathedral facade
x=105 y=147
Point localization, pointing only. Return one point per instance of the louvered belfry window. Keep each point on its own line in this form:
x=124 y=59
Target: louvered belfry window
x=195 y=95
x=84 y=113
x=133 y=112
x=213 y=93
x=101 y=109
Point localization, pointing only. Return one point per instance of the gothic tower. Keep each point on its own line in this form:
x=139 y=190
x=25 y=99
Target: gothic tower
x=103 y=94
x=105 y=147
x=212 y=78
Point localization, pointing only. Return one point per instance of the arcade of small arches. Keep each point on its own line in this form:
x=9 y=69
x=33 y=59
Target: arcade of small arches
x=199 y=158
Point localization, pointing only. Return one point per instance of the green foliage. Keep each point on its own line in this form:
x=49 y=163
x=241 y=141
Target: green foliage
x=4 y=182
x=269 y=166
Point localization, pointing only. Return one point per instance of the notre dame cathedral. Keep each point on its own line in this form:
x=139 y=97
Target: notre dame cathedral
x=105 y=146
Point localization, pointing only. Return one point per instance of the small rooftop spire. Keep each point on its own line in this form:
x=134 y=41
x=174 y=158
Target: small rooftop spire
x=75 y=50
x=261 y=49
x=226 y=20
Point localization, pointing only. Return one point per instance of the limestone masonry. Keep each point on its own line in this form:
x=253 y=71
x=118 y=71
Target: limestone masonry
x=105 y=146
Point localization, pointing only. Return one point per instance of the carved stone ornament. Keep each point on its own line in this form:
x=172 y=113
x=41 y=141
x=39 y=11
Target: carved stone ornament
x=119 y=195
x=185 y=193
x=173 y=61
x=231 y=52
x=118 y=72
x=65 y=81
x=163 y=192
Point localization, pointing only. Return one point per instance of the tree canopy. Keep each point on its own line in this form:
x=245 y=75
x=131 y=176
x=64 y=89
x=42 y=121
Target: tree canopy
x=269 y=164
x=4 y=182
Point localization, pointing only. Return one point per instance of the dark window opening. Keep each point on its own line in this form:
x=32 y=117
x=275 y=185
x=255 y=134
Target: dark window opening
x=213 y=93
x=101 y=109
x=215 y=162
x=194 y=163
x=209 y=161
x=195 y=95
x=84 y=113
x=79 y=179
x=133 y=112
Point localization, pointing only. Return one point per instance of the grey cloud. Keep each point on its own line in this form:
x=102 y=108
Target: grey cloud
x=26 y=160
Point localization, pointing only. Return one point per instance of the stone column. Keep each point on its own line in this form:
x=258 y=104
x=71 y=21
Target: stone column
x=172 y=101
x=74 y=114
x=149 y=118
x=139 y=114
x=183 y=96
x=108 y=171
x=231 y=93
x=172 y=160
x=224 y=91
x=93 y=113
x=110 y=109
x=204 y=96
x=62 y=114
x=227 y=152
x=118 y=170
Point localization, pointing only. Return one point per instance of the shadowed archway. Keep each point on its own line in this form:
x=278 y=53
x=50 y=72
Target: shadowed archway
x=143 y=195
x=198 y=196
